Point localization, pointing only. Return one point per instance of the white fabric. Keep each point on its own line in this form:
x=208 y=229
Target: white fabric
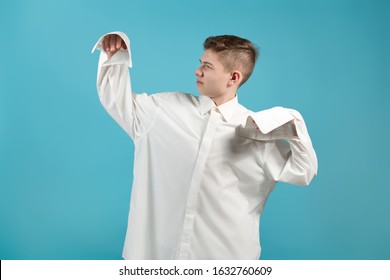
x=202 y=173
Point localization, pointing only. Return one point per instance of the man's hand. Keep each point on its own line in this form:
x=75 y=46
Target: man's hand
x=112 y=43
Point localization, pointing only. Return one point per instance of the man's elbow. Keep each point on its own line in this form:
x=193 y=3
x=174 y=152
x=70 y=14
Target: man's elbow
x=308 y=178
x=307 y=174
x=300 y=175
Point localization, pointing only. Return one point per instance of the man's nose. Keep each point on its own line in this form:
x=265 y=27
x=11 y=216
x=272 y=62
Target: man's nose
x=198 y=73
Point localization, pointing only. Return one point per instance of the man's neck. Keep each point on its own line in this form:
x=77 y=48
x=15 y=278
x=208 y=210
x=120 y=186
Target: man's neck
x=223 y=99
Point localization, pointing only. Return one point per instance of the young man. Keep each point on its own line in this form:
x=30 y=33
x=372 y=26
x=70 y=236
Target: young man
x=204 y=165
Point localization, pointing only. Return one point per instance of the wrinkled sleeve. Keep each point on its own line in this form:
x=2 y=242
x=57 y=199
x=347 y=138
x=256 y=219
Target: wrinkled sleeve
x=293 y=161
x=133 y=112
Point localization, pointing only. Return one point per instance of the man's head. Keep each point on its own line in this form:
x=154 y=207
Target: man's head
x=227 y=63
x=234 y=52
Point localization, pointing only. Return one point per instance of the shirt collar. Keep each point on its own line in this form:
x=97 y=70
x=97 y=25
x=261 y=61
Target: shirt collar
x=226 y=109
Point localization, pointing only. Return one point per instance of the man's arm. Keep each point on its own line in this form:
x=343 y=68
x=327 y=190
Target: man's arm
x=133 y=112
x=290 y=156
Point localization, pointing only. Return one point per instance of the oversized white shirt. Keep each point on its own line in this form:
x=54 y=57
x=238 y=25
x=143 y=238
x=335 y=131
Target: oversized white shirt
x=202 y=173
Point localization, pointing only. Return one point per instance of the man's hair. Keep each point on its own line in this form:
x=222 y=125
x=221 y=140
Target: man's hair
x=235 y=53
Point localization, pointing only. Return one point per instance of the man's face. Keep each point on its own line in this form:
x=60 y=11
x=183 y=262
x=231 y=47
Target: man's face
x=212 y=79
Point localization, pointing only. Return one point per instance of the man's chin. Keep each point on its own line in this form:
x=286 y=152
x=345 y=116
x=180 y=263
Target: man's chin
x=201 y=92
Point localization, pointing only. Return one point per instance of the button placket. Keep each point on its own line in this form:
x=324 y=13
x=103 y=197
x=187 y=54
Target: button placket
x=190 y=213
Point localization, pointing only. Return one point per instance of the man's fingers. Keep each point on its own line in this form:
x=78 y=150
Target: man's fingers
x=118 y=42
x=124 y=45
x=112 y=43
x=104 y=43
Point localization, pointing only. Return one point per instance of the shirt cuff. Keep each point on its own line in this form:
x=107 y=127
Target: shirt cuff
x=271 y=124
x=120 y=57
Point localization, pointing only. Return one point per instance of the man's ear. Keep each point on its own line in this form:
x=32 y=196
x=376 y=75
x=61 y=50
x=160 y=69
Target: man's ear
x=235 y=78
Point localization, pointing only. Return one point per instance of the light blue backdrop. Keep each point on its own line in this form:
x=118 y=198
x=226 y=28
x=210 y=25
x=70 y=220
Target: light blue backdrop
x=66 y=166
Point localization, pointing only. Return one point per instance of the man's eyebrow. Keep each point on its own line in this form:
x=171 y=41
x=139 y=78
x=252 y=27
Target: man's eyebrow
x=205 y=62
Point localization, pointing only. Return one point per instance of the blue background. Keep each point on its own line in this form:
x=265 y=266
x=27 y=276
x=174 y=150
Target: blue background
x=66 y=166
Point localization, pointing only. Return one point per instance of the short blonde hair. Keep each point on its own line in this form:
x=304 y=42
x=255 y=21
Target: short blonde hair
x=235 y=53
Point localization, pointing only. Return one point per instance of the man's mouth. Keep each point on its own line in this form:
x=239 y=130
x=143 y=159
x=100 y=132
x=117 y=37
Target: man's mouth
x=198 y=82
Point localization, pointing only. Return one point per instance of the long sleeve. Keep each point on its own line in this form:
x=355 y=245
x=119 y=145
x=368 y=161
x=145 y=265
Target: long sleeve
x=133 y=112
x=293 y=161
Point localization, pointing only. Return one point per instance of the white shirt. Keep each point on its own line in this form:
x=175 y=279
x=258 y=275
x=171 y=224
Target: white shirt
x=202 y=173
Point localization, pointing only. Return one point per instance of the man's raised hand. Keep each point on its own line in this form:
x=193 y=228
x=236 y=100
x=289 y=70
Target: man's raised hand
x=112 y=43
